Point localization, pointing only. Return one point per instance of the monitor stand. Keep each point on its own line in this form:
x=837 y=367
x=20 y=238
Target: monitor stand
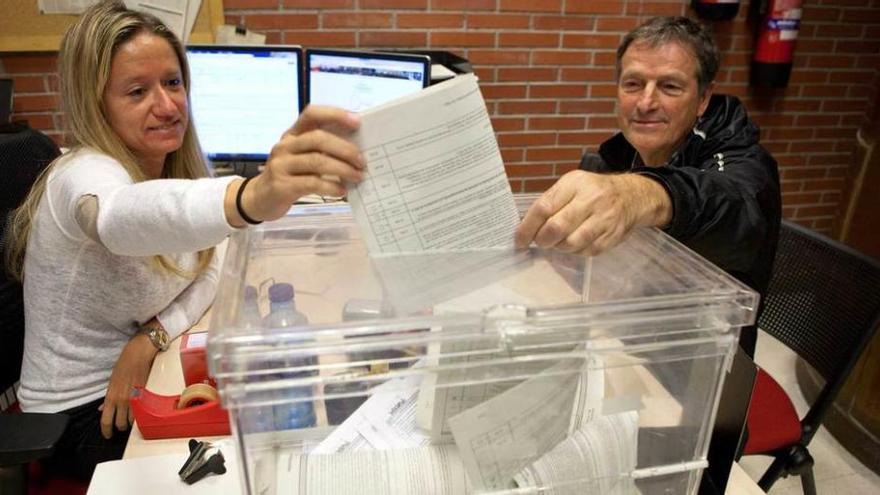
x=242 y=168
x=245 y=169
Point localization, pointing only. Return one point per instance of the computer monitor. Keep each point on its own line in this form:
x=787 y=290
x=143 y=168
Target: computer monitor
x=358 y=80
x=243 y=98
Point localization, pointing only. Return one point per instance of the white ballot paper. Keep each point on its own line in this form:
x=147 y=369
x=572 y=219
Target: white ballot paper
x=438 y=402
x=434 y=469
x=597 y=458
x=531 y=282
x=506 y=433
x=387 y=420
x=435 y=179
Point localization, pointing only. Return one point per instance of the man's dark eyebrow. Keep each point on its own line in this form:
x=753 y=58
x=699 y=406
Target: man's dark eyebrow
x=675 y=78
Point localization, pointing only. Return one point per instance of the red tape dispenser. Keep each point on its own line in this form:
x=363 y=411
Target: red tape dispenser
x=194 y=413
x=193 y=361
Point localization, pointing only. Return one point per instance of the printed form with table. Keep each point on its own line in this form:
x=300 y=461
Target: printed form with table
x=483 y=369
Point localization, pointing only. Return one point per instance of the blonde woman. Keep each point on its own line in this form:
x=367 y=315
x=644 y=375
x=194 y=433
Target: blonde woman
x=114 y=242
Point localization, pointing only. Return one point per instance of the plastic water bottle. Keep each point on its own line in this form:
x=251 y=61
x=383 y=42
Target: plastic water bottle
x=250 y=310
x=283 y=314
x=282 y=308
x=261 y=418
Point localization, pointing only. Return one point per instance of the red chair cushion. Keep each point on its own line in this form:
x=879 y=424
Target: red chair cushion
x=773 y=422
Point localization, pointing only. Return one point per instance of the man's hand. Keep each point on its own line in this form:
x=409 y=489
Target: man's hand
x=131 y=370
x=585 y=212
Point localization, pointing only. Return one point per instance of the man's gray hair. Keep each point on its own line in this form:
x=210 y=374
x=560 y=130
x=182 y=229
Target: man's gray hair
x=690 y=34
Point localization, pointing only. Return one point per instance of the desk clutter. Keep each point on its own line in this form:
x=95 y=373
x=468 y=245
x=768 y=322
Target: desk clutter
x=172 y=472
x=204 y=459
x=196 y=411
x=476 y=371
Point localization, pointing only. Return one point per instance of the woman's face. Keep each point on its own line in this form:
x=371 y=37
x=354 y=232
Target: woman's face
x=145 y=100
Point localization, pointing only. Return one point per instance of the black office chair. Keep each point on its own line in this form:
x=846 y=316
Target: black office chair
x=824 y=303
x=24 y=437
x=24 y=153
x=7 y=93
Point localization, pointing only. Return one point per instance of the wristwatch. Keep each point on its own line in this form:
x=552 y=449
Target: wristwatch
x=158 y=336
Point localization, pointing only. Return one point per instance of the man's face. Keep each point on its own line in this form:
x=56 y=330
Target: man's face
x=658 y=99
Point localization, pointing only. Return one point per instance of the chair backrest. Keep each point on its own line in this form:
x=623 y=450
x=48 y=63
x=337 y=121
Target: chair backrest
x=823 y=302
x=7 y=92
x=24 y=153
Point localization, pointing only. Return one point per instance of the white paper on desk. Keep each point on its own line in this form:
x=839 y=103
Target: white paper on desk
x=435 y=179
x=501 y=436
x=431 y=469
x=158 y=474
x=384 y=421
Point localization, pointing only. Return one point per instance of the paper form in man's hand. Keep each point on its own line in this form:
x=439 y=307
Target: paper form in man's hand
x=435 y=179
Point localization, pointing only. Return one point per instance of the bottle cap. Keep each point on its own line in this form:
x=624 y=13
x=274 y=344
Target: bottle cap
x=280 y=292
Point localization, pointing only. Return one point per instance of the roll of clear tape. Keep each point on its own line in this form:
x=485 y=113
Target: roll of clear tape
x=196 y=394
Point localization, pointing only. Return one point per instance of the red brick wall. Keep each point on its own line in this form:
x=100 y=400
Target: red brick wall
x=547 y=72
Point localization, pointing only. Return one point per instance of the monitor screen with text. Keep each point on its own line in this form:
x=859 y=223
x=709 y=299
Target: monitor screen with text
x=357 y=81
x=243 y=98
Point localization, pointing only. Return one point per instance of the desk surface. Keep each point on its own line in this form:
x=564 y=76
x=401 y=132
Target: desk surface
x=166 y=378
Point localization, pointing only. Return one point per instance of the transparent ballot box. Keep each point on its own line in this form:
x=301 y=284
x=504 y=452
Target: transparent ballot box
x=490 y=371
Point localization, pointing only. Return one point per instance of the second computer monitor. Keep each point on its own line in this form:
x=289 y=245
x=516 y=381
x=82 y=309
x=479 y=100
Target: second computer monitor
x=358 y=80
x=243 y=98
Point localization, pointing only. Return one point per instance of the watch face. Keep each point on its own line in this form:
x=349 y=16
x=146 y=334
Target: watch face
x=160 y=338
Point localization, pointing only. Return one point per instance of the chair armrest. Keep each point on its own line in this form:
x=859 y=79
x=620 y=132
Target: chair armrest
x=26 y=437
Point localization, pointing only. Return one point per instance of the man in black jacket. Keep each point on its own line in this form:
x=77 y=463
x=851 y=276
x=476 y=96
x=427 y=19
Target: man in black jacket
x=685 y=160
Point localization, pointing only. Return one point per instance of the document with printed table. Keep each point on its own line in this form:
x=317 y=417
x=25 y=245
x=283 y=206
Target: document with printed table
x=546 y=431
x=435 y=179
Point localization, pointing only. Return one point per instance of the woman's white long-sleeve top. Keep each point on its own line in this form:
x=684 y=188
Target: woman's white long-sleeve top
x=85 y=298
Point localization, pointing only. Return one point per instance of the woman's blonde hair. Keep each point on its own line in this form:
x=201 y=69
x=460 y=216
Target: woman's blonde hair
x=84 y=62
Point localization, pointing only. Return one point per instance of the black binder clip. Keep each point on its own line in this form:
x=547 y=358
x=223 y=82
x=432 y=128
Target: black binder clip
x=203 y=460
